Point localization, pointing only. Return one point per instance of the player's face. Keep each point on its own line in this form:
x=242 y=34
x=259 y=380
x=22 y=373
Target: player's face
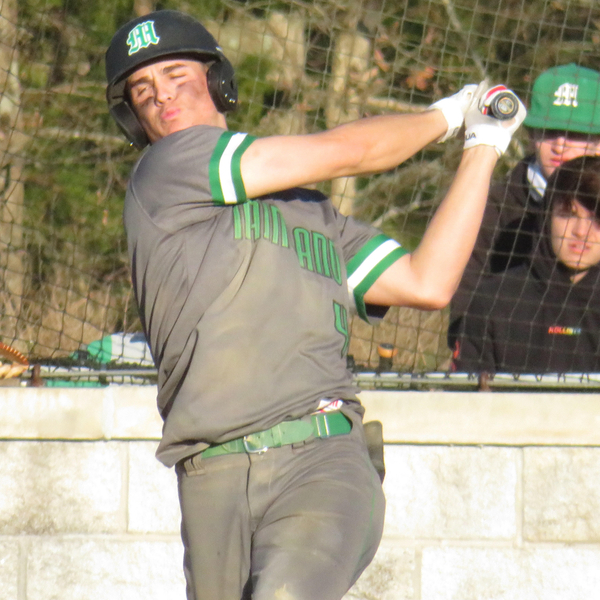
x=172 y=95
x=575 y=234
x=554 y=147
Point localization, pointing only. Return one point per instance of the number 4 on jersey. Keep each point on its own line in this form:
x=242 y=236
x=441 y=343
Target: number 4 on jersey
x=341 y=324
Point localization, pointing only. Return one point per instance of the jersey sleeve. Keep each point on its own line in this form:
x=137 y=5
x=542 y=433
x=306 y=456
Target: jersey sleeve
x=189 y=175
x=225 y=174
x=368 y=264
x=367 y=253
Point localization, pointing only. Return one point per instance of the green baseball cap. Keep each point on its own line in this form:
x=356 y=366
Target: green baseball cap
x=566 y=97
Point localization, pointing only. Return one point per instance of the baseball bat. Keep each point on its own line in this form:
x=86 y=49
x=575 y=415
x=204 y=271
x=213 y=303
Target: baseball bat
x=504 y=106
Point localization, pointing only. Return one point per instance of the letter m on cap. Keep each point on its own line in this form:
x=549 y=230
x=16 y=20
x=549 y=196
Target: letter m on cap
x=142 y=36
x=566 y=95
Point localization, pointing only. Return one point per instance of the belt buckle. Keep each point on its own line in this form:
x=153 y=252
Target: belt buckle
x=252 y=448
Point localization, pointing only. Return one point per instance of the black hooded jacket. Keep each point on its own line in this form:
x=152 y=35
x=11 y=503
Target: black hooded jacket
x=532 y=319
x=505 y=238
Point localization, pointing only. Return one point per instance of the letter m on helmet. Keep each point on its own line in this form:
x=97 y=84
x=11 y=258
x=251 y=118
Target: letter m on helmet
x=142 y=36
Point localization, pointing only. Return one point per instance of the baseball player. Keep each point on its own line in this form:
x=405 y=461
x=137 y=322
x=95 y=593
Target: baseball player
x=245 y=282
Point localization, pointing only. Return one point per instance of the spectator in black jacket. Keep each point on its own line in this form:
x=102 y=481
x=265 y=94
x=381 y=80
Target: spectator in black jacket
x=563 y=123
x=543 y=316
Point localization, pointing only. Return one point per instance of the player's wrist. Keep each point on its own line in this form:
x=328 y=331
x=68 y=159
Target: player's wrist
x=453 y=109
x=453 y=117
x=488 y=135
x=481 y=158
x=480 y=151
x=438 y=124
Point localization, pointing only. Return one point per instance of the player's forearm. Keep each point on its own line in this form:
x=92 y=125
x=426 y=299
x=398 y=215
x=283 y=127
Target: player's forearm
x=382 y=143
x=361 y=147
x=441 y=257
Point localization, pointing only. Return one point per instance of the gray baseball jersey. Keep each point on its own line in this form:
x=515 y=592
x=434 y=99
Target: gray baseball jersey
x=245 y=303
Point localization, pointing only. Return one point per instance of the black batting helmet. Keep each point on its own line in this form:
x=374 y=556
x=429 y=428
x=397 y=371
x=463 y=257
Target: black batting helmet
x=155 y=36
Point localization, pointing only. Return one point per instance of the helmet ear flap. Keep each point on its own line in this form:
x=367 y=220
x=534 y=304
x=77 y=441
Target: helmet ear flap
x=129 y=124
x=222 y=86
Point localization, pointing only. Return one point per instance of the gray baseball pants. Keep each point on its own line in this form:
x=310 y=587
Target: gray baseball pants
x=299 y=522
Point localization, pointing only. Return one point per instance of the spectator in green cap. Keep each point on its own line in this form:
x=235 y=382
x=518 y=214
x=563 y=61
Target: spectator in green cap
x=563 y=122
x=564 y=118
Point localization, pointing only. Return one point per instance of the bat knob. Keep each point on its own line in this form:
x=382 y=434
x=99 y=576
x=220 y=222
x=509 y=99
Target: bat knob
x=504 y=106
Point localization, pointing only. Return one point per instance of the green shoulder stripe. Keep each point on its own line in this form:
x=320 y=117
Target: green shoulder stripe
x=368 y=264
x=224 y=171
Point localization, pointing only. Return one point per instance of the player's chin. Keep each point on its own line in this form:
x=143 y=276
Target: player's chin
x=173 y=127
x=156 y=134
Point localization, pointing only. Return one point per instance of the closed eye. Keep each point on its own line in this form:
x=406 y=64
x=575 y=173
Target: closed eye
x=140 y=93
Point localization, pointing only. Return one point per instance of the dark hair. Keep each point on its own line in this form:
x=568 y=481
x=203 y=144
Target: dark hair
x=577 y=179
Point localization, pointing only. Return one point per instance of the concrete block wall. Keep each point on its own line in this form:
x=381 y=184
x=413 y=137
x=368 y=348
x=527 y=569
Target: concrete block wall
x=474 y=510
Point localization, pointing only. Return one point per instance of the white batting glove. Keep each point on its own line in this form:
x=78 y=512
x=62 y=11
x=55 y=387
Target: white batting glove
x=482 y=128
x=454 y=109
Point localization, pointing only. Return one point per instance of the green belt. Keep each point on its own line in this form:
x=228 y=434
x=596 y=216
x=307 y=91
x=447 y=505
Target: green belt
x=321 y=425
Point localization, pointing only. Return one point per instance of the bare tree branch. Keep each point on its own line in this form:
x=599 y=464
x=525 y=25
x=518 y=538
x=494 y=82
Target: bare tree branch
x=57 y=133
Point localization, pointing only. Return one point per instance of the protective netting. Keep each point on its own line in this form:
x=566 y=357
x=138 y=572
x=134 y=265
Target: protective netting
x=301 y=67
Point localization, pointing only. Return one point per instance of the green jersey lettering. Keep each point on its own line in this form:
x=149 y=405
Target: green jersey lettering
x=303 y=248
x=341 y=324
x=255 y=219
x=266 y=228
x=252 y=217
x=320 y=250
x=336 y=267
x=318 y=254
x=279 y=228
x=237 y=223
